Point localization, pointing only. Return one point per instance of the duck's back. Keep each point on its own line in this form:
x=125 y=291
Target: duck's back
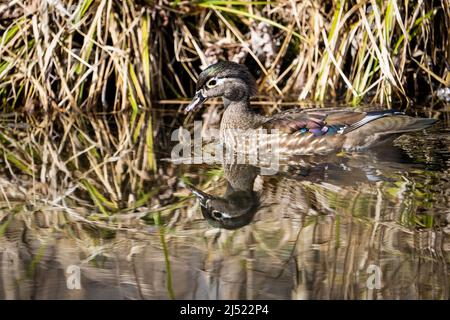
x=321 y=131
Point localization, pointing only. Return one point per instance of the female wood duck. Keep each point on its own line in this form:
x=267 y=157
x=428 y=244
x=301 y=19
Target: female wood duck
x=300 y=131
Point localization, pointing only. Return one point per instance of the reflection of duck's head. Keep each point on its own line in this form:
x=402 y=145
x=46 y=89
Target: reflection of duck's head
x=235 y=210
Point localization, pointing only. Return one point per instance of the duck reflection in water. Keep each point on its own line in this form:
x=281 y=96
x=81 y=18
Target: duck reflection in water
x=248 y=193
x=237 y=207
x=243 y=197
x=293 y=189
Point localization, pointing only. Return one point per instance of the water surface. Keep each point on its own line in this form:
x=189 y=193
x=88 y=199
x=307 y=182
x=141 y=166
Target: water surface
x=323 y=232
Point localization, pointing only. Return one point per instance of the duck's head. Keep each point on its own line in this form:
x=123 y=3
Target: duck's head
x=225 y=79
x=233 y=211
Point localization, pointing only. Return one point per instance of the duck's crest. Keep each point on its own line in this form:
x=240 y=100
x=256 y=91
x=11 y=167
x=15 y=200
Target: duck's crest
x=227 y=69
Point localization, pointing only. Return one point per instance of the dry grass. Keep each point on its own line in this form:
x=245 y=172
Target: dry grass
x=113 y=55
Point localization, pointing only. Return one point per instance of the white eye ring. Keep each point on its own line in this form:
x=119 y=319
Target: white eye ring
x=212 y=83
x=217 y=214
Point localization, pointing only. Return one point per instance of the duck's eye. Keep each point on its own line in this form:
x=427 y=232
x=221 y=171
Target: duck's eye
x=217 y=214
x=211 y=83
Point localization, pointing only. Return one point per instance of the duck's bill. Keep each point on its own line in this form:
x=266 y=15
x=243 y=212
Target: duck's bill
x=201 y=196
x=196 y=102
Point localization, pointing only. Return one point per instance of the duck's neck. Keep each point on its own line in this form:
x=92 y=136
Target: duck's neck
x=239 y=115
x=240 y=176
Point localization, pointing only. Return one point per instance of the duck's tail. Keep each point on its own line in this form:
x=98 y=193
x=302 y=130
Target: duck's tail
x=378 y=128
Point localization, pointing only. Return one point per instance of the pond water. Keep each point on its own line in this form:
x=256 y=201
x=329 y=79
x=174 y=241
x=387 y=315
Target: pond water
x=374 y=225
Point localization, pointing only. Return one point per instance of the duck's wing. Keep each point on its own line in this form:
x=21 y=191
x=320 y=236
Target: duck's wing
x=318 y=131
x=317 y=121
x=311 y=132
x=375 y=129
x=344 y=121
